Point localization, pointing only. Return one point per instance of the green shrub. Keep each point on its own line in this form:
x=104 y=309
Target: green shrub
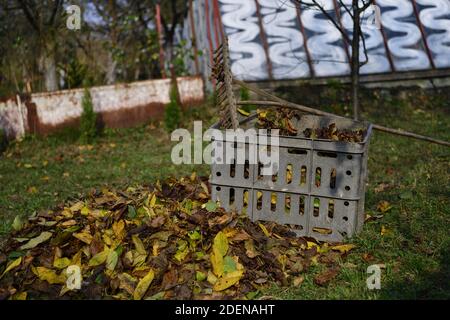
x=172 y=112
x=88 y=121
x=245 y=96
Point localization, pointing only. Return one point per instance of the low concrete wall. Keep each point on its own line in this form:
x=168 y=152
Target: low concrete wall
x=122 y=105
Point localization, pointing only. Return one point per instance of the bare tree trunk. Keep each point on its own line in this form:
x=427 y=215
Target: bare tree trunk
x=49 y=69
x=111 y=70
x=355 y=66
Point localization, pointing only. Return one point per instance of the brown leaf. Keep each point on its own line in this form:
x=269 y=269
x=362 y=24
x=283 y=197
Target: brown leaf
x=326 y=276
x=170 y=279
x=157 y=222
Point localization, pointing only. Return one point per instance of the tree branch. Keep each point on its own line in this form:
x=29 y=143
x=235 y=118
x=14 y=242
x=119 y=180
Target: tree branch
x=29 y=16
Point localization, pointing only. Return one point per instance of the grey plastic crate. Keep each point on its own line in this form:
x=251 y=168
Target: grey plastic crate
x=328 y=211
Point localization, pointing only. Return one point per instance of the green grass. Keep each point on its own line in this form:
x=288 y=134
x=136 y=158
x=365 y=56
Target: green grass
x=415 y=251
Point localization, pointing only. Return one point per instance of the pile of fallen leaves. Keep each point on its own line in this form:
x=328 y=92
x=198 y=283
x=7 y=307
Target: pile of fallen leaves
x=333 y=133
x=280 y=119
x=166 y=241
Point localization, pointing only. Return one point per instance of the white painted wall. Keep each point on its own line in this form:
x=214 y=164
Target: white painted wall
x=57 y=107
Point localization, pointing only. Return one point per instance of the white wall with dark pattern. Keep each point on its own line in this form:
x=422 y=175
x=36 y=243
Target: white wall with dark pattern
x=296 y=43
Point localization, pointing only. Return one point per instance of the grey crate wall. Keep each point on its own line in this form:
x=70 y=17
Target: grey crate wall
x=328 y=211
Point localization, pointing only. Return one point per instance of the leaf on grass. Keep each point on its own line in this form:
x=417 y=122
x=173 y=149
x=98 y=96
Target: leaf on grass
x=326 y=276
x=344 y=248
x=228 y=280
x=385 y=231
x=17 y=223
x=12 y=265
x=143 y=285
x=298 y=281
x=44 y=236
x=384 y=206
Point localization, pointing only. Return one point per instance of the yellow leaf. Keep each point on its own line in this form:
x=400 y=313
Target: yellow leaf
x=221 y=243
x=143 y=285
x=262 y=114
x=212 y=279
x=250 y=249
x=48 y=275
x=228 y=280
x=32 y=190
x=85 y=211
x=205 y=188
x=61 y=263
x=20 y=296
x=111 y=260
x=84 y=236
x=384 y=206
x=322 y=230
x=68 y=223
x=140 y=248
x=264 y=229
x=182 y=250
x=118 y=229
x=44 y=236
x=298 y=281
x=155 y=249
x=152 y=201
x=243 y=112
x=344 y=248
x=385 y=231
x=139 y=259
x=77 y=206
x=76 y=259
x=217 y=262
x=273 y=199
x=99 y=258
x=12 y=265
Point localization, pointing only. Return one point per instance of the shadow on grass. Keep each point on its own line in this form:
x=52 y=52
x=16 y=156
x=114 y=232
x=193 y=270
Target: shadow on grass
x=432 y=285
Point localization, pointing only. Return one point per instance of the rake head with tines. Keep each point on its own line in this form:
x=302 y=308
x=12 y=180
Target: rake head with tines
x=225 y=101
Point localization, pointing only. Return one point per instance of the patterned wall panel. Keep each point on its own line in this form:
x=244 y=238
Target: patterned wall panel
x=275 y=39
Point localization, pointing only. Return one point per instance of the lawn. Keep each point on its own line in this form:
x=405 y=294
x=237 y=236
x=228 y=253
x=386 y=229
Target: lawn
x=410 y=240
